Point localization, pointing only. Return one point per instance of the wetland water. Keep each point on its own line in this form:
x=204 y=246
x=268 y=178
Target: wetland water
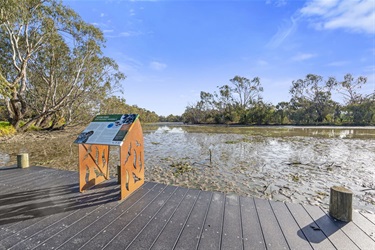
x=294 y=164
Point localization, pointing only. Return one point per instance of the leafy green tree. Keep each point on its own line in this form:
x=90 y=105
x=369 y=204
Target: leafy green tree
x=117 y=105
x=312 y=96
x=245 y=92
x=282 y=113
x=359 y=108
x=349 y=88
x=260 y=113
x=53 y=66
x=194 y=113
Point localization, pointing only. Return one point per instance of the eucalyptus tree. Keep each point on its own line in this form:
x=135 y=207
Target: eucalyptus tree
x=312 y=97
x=52 y=63
x=281 y=112
x=349 y=88
x=245 y=92
x=359 y=108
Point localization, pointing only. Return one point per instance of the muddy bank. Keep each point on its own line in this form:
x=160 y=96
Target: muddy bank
x=287 y=164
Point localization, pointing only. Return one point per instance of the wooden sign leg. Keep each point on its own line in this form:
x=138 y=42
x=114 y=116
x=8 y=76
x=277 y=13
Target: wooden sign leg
x=93 y=165
x=132 y=160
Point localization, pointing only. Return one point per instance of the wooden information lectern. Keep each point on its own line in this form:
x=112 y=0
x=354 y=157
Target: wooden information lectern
x=123 y=130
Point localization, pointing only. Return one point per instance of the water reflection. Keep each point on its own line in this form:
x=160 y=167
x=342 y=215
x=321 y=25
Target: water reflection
x=269 y=131
x=166 y=129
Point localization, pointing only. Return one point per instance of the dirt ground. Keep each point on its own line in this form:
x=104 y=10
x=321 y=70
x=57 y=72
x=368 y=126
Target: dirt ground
x=45 y=148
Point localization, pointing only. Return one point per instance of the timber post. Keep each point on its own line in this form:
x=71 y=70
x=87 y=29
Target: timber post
x=23 y=160
x=340 y=203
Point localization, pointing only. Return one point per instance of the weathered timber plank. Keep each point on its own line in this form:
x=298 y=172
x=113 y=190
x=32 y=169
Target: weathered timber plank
x=332 y=231
x=364 y=224
x=360 y=238
x=370 y=217
x=192 y=231
x=126 y=234
x=273 y=235
x=110 y=231
x=30 y=230
x=61 y=237
x=231 y=237
x=38 y=190
x=49 y=179
x=101 y=223
x=149 y=234
x=212 y=229
x=83 y=205
x=35 y=203
x=289 y=227
x=173 y=227
x=9 y=172
x=27 y=178
x=317 y=238
x=252 y=231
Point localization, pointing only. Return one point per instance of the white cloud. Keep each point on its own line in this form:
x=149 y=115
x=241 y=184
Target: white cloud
x=158 y=66
x=107 y=31
x=303 y=56
x=262 y=63
x=337 y=63
x=353 y=15
x=285 y=30
x=126 y=34
x=277 y=3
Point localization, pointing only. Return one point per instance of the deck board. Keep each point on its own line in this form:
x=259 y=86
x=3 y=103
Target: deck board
x=317 y=238
x=41 y=208
x=370 y=217
x=232 y=226
x=252 y=230
x=289 y=227
x=332 y=231
x=356 y=234
x=101 y=223
x=367 y=226
x=273 y=235
x=125 y=236
x=173 y=228
x=121 y=222
x=211 y=234
x=149 y=234
x=192 y=231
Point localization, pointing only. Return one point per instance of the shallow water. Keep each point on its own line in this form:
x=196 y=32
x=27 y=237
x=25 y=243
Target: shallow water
x=296 y=164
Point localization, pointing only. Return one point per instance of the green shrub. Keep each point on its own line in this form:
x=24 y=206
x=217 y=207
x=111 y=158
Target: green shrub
x=6 y=129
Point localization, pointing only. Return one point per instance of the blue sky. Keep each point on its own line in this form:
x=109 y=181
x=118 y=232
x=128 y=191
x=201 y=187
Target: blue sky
x=172 y=50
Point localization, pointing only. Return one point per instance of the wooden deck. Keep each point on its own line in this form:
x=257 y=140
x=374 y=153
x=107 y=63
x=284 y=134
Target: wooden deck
x=41 y=208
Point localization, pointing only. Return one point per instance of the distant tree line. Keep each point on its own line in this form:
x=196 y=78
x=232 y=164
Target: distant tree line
x=117 y=105
x=311 y=103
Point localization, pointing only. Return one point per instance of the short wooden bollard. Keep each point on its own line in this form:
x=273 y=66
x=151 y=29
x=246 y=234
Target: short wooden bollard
x=340 y=203
x=23 y=160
